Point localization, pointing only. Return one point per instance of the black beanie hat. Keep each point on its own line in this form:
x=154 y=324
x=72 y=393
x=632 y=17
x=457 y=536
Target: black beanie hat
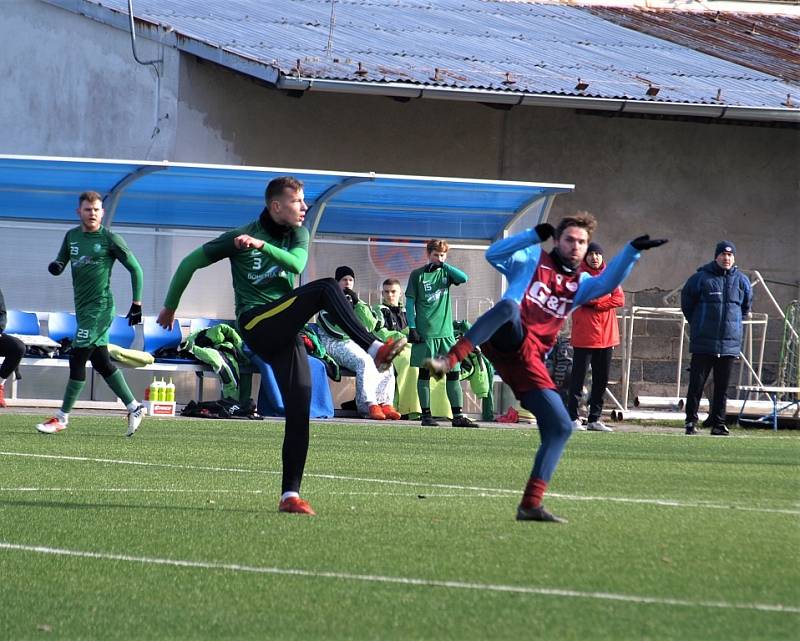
x=343 y=271
x=595 y=247
x=724 y=246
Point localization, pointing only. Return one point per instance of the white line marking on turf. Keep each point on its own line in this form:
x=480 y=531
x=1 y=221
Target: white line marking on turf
x=399 y=580
x=86 y=459
x=419 y=484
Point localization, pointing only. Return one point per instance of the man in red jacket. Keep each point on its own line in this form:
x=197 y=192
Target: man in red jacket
x=594 y=335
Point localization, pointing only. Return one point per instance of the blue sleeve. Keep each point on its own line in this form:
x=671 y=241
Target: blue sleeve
x=502 y=253
x=688 y=297
x=618 y=269
x=747 y=303
x=516 y=258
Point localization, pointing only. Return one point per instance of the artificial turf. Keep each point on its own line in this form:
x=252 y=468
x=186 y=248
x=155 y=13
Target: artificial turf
x=174 y=534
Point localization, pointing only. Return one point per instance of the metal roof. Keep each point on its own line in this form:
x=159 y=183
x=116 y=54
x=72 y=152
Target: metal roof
x=486 y=50
x=182 y=195
x=767 y=43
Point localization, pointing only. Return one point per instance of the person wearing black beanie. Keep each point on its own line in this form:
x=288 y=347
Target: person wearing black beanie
x=715 y=301
x=374 y=389
x=343 y=271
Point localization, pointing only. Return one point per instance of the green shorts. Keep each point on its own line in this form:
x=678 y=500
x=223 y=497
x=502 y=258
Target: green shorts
x=430 y=348
x=93 y=327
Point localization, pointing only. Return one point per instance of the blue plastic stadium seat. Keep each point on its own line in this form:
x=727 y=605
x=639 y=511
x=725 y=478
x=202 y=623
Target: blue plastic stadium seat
x=121 y=334
x=18 y=322
x=61 y=325
x=155 y=337
x=202 y=323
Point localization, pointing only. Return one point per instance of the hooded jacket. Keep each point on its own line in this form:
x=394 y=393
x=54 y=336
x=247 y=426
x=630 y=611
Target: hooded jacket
x=594 y=324
x=715 y=301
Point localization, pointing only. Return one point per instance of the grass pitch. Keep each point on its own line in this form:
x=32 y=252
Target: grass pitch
x=174 y=534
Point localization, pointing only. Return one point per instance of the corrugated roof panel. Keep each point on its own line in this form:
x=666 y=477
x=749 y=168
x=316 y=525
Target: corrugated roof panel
x=474 y=44
x=768 y=43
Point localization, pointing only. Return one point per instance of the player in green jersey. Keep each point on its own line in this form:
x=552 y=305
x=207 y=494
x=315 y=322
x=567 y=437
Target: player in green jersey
x=430 y=322
x=91 y=249
x=265 y=257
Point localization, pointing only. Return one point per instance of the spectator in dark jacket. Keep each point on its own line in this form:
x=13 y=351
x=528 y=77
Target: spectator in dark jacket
x=11 y=349
x=715 y=301
x=595 y=333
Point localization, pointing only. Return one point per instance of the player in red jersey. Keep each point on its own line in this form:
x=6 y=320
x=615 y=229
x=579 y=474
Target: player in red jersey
x=517 y=333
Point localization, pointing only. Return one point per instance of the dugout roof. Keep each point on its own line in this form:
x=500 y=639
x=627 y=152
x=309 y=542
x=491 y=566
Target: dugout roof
x=182 y=195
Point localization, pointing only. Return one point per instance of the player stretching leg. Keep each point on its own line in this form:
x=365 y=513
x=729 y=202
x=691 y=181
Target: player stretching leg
x=265 y=257
x=91 y=250
x=517 y=333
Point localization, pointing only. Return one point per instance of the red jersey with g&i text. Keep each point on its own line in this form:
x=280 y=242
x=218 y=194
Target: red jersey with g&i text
x=548 y=301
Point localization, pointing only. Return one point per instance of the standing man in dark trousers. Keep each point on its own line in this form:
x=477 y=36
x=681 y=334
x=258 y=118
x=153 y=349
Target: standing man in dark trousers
x=715 y=301
x=265 y=257
x=11 y=349
x=595 y=333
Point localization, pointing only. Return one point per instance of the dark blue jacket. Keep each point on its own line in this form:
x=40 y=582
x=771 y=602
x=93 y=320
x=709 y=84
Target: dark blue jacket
x=715 y=302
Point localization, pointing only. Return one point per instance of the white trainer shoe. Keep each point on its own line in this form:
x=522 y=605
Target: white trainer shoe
x=577 y=426
x=599 y=426
x=51 y=426
x=135 y=419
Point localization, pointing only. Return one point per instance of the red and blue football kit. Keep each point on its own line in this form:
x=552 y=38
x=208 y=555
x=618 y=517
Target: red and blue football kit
x=545 y=306
x=519 y=330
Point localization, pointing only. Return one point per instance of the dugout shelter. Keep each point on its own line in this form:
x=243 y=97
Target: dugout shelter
x=375 y=223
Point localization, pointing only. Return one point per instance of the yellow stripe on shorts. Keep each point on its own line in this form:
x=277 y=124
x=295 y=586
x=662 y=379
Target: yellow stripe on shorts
x=269 y=314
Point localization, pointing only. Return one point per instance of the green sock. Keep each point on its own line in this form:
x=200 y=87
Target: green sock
x=424 y=392
x=118 y=385
x=71 y=395
x=454 y=393
x=245 y=388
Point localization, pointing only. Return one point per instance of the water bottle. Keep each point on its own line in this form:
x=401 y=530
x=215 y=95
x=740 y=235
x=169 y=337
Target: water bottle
x=161 y=390
x=170 y=389
x=153 y=390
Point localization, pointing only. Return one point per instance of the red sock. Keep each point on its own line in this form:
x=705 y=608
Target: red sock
x=459 y=351
x=534 y=491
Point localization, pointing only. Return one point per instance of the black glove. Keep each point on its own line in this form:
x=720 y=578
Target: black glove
x=544 y=231
x=413 y=335
x=134 y=314
x=55 y=268
x=643 y=242
x=350 y=295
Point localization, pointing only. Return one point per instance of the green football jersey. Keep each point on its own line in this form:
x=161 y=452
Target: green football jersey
x=91 y=256
x=431 y=293
x=258 y=277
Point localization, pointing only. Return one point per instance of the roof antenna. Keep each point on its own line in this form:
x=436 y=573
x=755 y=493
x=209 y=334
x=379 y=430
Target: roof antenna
x=329 y=48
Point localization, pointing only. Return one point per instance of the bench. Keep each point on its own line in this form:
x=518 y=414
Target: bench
x=772 y=392
x=26 y=326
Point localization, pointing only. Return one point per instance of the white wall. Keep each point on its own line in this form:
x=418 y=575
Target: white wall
x=72 y=88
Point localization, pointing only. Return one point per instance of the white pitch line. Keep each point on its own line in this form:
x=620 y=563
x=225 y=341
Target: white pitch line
x=86 y=459
x=419 y=484
x=398 y=580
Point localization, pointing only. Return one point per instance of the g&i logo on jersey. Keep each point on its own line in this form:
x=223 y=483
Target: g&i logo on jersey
x=542 y=296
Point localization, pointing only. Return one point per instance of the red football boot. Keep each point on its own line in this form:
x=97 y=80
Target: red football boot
x=296 y=505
